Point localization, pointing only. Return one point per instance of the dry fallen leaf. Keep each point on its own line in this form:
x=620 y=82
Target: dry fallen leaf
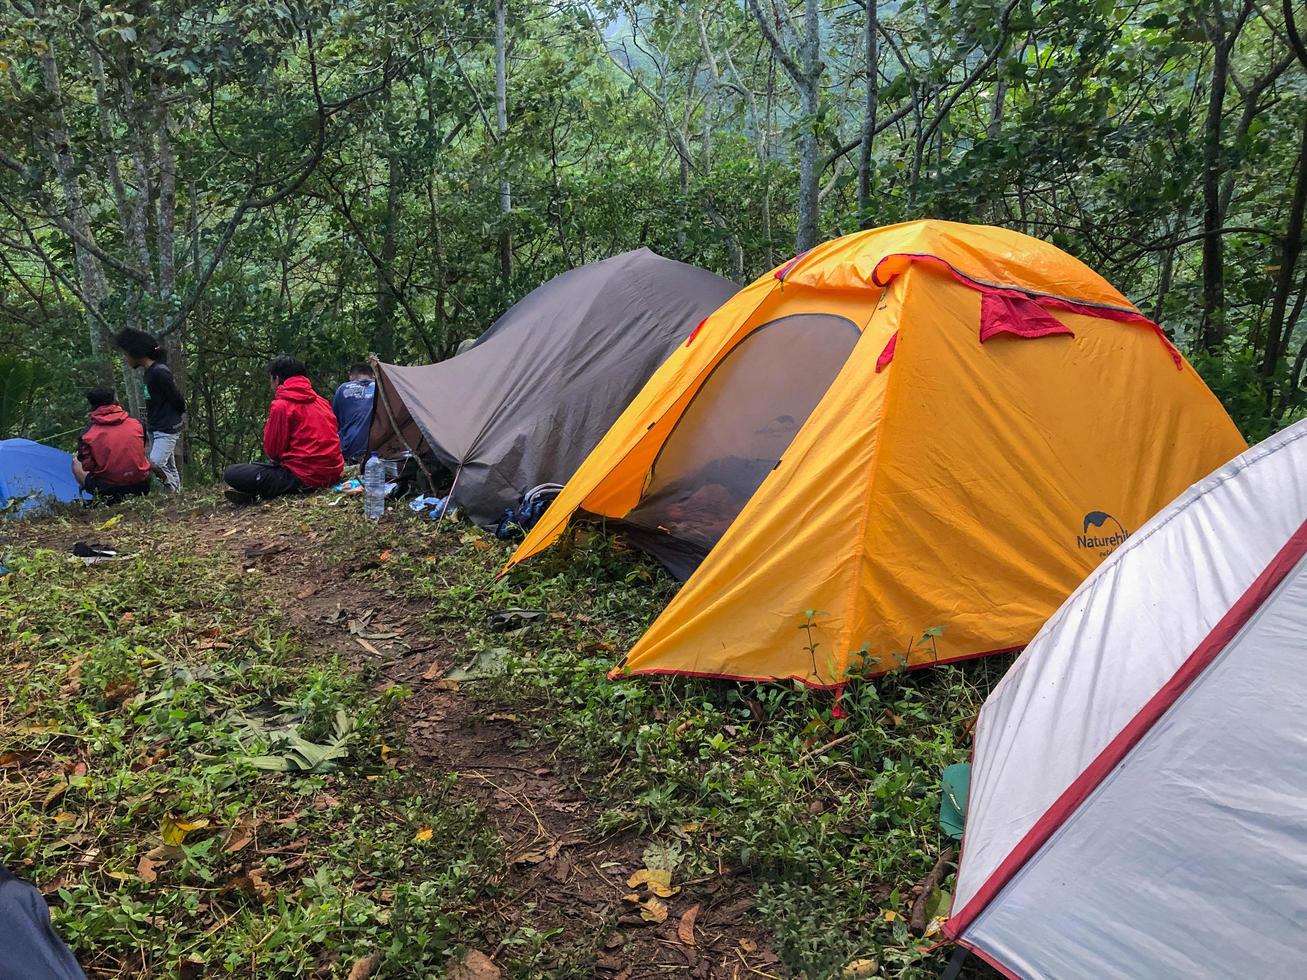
x=241 y=835
x=657 y=880
x=423 y=835
x=861 y=968
x=481 y=544
x=126 y=618
x=445 y=685
x=174 y=831
x=685 y=929
x=365 y=967
x=119 y=691
x=74 y=682
x=653 y=910
x=145 y=868
x=253 y=884
x=475 y=965
x=644 y=876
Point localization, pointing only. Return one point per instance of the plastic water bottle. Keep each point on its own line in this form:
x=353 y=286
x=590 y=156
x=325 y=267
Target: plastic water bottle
x=374 y=488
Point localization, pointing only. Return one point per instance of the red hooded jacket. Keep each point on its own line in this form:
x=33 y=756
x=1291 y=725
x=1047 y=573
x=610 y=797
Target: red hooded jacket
x=113 y=447
x=301 y=434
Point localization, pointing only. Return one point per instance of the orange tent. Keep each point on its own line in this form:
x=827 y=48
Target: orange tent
x=906 y=446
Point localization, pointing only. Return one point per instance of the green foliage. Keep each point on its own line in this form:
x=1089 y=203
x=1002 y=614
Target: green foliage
x=835 y=818
x=20 y=381
x=363 y=214
x=138 y=693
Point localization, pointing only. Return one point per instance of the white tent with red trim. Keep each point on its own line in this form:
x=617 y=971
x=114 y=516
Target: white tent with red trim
x=1138 y=802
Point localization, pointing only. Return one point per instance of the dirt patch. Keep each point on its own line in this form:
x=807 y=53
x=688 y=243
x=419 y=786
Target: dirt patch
x=561 y=877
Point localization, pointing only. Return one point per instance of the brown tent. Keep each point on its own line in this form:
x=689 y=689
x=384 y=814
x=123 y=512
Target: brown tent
x=529 y=400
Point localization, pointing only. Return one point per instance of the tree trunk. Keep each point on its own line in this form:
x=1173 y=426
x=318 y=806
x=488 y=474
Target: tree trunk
x=383 y=340
x=764 y=155
x=1166 y=268
x=1279 y=331
x=995 y=125
x=167 y=220
x=810 y=103
x=89 y=273
x=133 y=237
x=870 y=33
x=501 y=125
x=1213 y=267
x=804 y=67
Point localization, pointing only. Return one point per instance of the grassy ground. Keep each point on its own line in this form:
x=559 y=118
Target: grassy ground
x=279 y=742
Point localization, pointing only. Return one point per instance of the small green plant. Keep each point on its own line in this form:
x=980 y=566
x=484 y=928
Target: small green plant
x=198 y=795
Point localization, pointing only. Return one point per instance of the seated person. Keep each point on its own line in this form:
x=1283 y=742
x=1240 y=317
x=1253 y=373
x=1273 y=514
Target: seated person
x=352 y=404
x=299 y=439
x=111 y=461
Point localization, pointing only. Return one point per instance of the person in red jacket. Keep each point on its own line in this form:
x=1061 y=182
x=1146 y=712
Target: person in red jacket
x=111 y=461
x=300 y=440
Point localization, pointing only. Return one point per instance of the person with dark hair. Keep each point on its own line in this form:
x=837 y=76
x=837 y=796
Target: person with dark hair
x=300 y=440
x=165 y=406
x=352 y=404
x=110 y=461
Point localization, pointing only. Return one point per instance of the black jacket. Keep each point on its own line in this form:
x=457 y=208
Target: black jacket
x=165 y=405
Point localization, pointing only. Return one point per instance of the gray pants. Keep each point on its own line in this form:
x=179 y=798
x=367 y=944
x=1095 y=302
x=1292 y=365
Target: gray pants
x=163 y=448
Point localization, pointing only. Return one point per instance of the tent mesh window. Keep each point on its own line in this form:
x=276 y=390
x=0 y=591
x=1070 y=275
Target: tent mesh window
x=739 y=424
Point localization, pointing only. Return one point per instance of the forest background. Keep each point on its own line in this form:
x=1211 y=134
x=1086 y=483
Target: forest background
x=335 y=178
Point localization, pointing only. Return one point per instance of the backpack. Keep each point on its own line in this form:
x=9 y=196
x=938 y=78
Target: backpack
x=520 y=519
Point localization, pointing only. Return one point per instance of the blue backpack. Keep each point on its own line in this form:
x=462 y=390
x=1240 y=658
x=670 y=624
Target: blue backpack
x=520 y=519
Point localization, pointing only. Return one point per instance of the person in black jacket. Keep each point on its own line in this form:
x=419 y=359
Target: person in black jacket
x=166 y=407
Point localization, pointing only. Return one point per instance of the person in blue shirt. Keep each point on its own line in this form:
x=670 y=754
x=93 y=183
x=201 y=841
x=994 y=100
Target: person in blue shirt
x=352 y=404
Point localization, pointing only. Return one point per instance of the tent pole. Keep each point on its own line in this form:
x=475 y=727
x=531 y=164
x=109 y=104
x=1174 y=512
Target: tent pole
x=955 y=962
x=390 y=417
x=450 y=499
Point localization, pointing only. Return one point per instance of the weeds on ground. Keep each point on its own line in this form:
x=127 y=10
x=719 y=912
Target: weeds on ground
x=198 y=797
x=836 y=818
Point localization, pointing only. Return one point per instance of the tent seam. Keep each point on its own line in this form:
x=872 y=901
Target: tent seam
x=1075 y=797
x=864 y=519
x=562 y=525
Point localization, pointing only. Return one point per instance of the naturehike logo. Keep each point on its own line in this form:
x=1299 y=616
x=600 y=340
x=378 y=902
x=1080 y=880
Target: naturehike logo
x=1110 y=533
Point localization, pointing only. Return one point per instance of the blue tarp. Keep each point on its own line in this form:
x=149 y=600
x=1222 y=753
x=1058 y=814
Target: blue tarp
x=35 y=472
